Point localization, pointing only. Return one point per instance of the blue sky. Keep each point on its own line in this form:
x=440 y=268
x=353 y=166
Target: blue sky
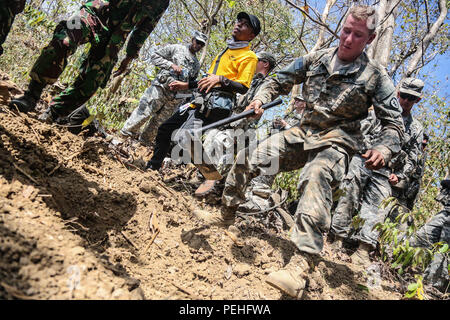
x=437 y=70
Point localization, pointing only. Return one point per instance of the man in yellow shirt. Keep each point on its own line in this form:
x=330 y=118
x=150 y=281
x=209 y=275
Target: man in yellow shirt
x=231 y=72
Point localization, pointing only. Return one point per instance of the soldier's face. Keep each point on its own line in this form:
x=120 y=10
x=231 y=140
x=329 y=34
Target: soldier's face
x=196 y=46
x=242 y=30
x=300 y=105
x=406 y=104
x=262 y=66
x=353 y=39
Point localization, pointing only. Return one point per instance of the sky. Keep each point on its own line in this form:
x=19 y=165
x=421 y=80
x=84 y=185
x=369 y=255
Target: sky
x=438 y=70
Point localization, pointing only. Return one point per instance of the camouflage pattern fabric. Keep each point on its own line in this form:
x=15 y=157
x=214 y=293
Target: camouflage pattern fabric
x=328 y=136
x=337 y=102
x=364 y=191
x=410 y=167
x=223 y=139
x=260 y=188
x=158 y=102
x=106 y=26
x=436 y=230
x=323 y=170
x=8 y=10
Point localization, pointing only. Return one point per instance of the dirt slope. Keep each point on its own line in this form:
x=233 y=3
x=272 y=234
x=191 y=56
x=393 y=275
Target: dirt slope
x=75 y=222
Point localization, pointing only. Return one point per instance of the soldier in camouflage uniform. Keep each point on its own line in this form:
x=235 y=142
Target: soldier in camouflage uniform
x=339 y=86
x=406 y=166
x=437 y=230
x=365 y=189
x=415 y=180
x=231 y=72
x=224 y=139
x=8 y=10
x=176 y=63
x=260 y=188
x=106 y=26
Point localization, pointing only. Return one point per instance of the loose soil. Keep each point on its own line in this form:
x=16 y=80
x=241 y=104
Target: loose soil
x=79 y=222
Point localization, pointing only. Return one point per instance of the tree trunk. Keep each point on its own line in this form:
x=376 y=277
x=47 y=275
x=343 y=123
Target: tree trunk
x=422 y=48
x=380 y=49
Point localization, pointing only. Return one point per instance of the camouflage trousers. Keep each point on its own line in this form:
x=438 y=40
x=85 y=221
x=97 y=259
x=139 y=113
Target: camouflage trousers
x=435 y=230
x=222 y=147
x=6 y=21
x=156 y=104
x=364 y=191
x=95 y=68
x=323 y=170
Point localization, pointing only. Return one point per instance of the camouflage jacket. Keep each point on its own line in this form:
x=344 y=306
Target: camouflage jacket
x=411 y=154
x=245 y=99
x=122 y=17
x=175 y=54
x=337 y=102
x=444 y=198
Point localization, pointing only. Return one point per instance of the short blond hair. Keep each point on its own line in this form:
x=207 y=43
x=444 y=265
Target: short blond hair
x=365 y=13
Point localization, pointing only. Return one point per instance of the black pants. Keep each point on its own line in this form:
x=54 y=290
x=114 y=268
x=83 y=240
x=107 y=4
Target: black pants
x=188 y=119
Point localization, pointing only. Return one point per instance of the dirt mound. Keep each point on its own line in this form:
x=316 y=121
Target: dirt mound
x=77 y=222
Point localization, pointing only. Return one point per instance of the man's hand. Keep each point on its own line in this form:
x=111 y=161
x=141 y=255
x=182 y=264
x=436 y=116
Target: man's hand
x=393 y=179
x=375 y=159
x=178 y=85
x=123 y=66
x=255 y=105
x=206 y=84
x=176 y=69
x=279 y=123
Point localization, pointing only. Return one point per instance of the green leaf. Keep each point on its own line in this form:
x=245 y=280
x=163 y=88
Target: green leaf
x=363 y=287
x=444 y=248
x=413 y=287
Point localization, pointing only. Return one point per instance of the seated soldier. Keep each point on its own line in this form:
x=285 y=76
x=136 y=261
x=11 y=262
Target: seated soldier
x=231 y=72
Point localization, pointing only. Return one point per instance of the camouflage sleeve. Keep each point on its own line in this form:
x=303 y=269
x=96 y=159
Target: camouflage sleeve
x=413 y=152
x=145 y=26
x=284 y=80
x=162 y=58
x=138 y=36
x=388 y=111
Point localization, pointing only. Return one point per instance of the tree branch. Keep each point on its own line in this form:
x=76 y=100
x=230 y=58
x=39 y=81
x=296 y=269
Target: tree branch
x=321 y=23
x=190 y=13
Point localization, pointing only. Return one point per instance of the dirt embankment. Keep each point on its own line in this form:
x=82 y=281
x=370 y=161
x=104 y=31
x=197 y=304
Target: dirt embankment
x=78 y=223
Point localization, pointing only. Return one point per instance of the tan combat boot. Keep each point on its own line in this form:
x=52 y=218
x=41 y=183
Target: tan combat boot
x=287 y=281
x=224 y=217
x=361 y=255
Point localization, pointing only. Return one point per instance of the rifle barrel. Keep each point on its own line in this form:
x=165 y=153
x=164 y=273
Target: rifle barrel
x=238 y=116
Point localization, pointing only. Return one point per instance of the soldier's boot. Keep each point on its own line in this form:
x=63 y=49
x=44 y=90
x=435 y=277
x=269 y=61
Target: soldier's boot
x=337 y=244
x=225 y=217
x=205 y=188
x=361 y=255
x=28 y=101
x=290 y=282
x=48 y=116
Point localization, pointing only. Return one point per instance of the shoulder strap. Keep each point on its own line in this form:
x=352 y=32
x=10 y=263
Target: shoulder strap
x=218 y=61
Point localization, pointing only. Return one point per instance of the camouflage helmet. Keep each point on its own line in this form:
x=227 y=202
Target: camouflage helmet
x=299 y=96
x=412 y=86
x=264 y=55
x=199 y=36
